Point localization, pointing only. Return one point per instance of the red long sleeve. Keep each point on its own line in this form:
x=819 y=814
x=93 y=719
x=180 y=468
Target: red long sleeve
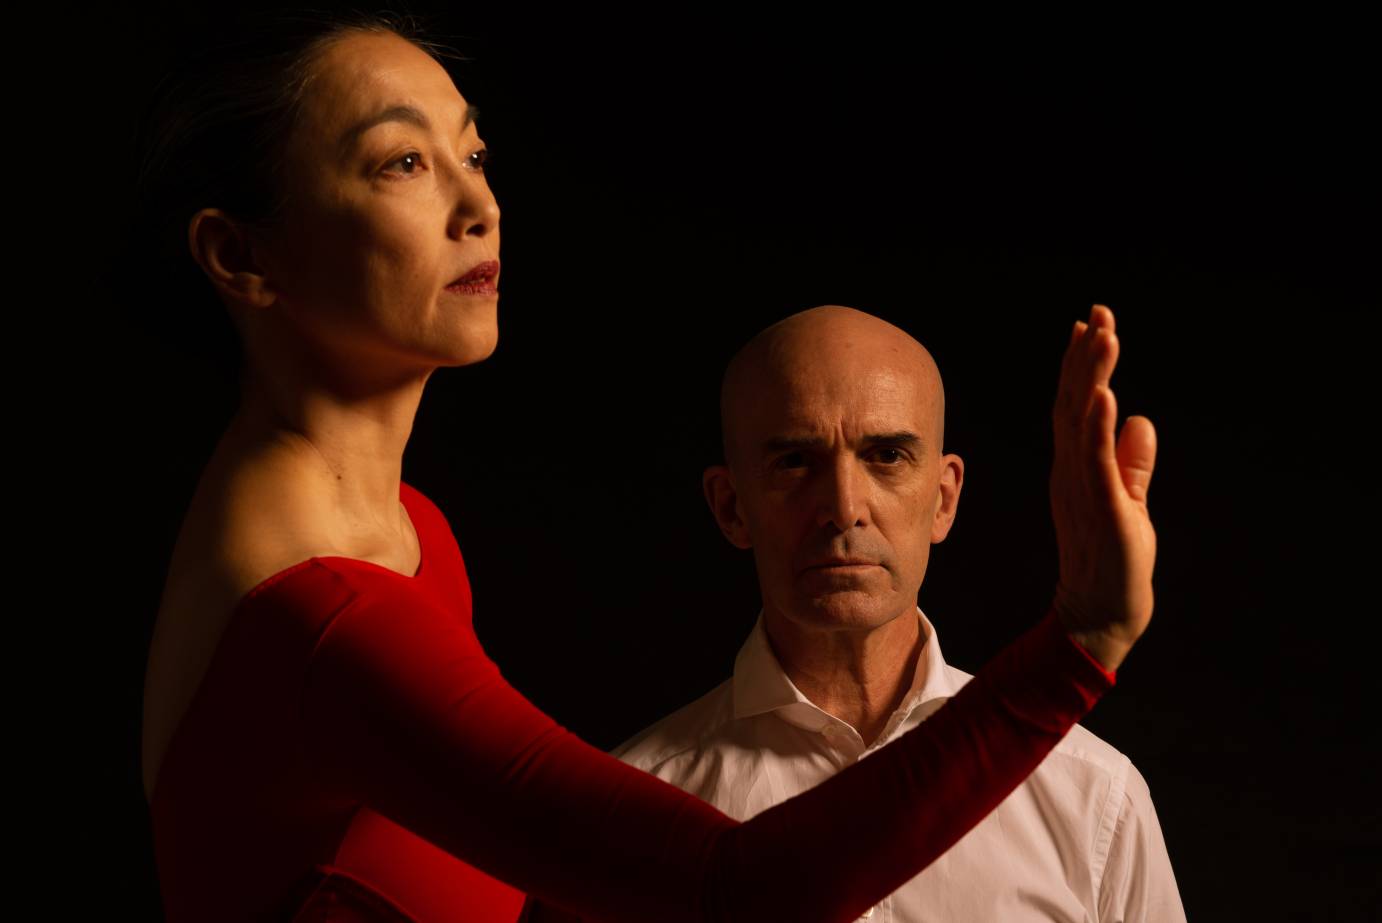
x=398 y=711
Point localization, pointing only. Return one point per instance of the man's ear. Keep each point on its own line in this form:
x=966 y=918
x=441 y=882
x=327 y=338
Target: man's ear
x=223 y=249
x=947 y=496
x=720 y=493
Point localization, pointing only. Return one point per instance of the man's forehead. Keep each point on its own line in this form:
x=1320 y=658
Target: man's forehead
x=817 y=403
x=831 y=371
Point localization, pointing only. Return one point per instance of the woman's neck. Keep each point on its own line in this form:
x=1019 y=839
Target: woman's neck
x=331 y=452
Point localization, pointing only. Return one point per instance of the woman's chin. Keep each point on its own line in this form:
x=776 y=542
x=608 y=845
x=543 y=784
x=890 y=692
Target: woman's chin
x=479 y=345
x=478 y=357
x=471 y=326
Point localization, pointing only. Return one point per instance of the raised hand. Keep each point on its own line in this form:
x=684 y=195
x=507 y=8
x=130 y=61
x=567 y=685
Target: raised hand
x=1099 y=499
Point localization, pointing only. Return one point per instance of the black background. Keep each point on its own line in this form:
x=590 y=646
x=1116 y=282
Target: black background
x=673 y=181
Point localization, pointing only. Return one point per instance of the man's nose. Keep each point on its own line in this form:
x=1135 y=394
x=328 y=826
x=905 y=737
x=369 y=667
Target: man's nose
x=842 y=496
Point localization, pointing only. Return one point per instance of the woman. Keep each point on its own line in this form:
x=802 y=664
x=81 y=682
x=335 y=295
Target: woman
x=323 y=736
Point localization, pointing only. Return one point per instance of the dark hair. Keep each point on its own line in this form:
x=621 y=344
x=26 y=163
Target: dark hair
x=214 y=134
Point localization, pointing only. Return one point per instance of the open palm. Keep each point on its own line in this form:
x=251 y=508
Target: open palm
x=1099 y=499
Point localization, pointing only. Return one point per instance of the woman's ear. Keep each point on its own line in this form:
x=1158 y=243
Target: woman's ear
x=718 y=484
x=225 y=252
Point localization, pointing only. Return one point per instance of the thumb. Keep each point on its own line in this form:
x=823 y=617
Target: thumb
x=1137 y=456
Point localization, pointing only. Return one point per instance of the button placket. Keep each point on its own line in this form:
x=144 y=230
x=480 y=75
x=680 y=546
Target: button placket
x=842 y=743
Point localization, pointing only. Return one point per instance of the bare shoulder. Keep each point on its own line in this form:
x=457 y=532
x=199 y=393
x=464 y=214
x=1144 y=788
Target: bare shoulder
x=229 y=543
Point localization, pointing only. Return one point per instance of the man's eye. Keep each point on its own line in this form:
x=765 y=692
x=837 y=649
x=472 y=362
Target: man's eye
x=889 y=456
x=478 y=159
x=792 y=460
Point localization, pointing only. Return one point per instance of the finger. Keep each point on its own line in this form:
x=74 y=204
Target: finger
x=1066 y=361
x=1094 y=367
x=1137 y=456
x=1104 y=353
x=1074 y=397
x=1076 y=333
x=1066 y=386
x=1080 y=374
x=1103 y=415
x=1100 y=450
x=1101 y=315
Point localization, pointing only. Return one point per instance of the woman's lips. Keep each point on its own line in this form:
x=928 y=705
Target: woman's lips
x=482 y=280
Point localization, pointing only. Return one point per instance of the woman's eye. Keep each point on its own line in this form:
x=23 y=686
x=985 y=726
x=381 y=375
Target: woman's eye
x=413 y=156
x=478 y=159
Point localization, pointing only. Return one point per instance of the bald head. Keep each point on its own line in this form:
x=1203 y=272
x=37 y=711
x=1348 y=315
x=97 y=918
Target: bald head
x=835 y=352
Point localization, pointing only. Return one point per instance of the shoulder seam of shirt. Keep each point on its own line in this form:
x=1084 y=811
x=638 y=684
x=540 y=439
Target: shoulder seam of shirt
x=671 y=751
x=1112 y=763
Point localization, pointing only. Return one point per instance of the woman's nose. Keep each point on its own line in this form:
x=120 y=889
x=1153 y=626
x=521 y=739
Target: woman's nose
x=477 y=211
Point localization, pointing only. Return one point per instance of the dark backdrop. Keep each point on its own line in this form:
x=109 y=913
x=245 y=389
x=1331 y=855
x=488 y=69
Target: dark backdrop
x=671 y=183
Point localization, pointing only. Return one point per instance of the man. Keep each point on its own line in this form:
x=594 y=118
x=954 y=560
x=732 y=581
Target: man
x=833 y=424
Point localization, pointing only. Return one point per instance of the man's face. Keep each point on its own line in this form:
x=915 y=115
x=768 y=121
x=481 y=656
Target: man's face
x=836 y=475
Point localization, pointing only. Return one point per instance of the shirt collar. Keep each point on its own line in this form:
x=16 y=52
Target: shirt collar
x=762 y=686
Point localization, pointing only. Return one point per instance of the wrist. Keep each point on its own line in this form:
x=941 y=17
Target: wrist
x=1105 y=644
x=1107 y=650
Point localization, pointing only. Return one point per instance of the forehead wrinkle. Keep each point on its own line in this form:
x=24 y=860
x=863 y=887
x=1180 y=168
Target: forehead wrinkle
x=400 y=112
x=862 y=400
x=822 y=352
x=391 y=84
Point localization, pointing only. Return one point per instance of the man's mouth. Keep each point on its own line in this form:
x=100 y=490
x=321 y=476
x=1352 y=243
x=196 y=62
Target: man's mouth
x=843 y=565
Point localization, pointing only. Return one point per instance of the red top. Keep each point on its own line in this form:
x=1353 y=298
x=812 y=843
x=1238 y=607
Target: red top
x=353 y=755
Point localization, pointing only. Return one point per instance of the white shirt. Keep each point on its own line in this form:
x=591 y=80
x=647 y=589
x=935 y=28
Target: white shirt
x=1079 y=840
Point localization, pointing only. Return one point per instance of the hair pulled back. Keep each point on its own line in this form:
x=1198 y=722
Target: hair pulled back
x=214 y=134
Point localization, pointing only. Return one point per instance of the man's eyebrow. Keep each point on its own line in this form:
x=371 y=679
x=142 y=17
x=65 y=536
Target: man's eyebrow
x=904 y=438
x=791 y=443
x=399 y=113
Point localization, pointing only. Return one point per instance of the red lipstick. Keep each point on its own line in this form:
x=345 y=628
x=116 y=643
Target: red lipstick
x=481 y=280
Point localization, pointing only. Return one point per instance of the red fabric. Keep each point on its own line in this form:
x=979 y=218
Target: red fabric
x=353 y=755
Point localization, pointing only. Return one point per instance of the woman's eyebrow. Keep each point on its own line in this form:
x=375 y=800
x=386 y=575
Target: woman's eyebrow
x=399 y=113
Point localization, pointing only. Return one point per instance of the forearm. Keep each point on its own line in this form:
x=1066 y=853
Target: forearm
x=917 y=796
x=404 y=712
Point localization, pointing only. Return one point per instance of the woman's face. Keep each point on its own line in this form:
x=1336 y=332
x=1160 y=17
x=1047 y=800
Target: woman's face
x=388 y=206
